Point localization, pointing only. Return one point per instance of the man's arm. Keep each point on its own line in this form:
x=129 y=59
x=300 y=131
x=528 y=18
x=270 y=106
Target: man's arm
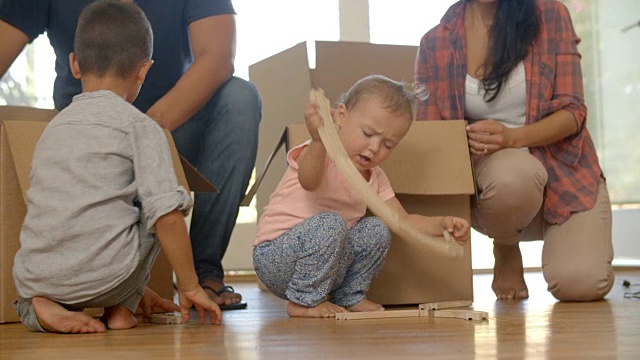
x=213 y=42
x=13 y=41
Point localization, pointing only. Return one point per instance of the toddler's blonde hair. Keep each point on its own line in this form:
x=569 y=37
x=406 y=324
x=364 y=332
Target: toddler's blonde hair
x=395 y=96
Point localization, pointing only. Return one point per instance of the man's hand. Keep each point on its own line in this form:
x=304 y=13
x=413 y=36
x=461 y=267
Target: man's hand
x=152 y=303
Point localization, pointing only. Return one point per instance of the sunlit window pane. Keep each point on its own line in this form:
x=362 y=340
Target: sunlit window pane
x=404 y=22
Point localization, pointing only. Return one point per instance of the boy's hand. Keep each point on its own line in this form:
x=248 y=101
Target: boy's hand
x=152 y=303
x=201 y=301
x=458 y=228
x=313 y=120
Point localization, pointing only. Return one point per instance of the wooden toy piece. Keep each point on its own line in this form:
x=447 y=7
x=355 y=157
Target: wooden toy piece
x=378 y=314
x=337 y=153
x=445 y=305
x=461 y=314
x=166 y=318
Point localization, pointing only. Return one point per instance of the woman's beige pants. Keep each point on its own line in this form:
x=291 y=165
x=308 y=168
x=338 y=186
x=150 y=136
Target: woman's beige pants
x=576 y=256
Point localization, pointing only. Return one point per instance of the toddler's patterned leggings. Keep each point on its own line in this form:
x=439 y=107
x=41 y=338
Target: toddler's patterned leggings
x=319 y=260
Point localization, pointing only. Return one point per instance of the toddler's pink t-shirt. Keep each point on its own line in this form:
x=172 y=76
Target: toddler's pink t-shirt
x=290 y=204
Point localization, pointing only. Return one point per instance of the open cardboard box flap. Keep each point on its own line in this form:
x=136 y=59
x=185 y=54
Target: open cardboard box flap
x=23 y=134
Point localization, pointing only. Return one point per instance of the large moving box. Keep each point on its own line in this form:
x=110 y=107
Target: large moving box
x=20 y=129
x=430 y=170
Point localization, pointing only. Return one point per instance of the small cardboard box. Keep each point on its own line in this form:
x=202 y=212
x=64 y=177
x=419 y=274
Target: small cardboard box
x=430 y=171
x=20 y=129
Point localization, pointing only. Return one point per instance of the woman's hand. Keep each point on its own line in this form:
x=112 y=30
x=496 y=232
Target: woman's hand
x=488 y=136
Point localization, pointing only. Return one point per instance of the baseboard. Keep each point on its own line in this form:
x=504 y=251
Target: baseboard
x=250 y=275
x=240 y=276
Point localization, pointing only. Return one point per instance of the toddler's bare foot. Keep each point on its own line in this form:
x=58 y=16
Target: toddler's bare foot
x=508 y=275
x=55 y=318
x=325 y=309
x=366 y=305
x=118 y=317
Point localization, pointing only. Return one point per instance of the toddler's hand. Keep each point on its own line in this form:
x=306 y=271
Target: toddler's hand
x=313 y=120
x=458 y=228
x=199 y=298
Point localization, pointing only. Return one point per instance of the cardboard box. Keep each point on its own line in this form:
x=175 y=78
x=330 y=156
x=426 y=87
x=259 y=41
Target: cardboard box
x=20 y=129
x=430 y=170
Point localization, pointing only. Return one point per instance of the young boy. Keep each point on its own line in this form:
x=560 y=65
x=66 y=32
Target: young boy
x=102 y=185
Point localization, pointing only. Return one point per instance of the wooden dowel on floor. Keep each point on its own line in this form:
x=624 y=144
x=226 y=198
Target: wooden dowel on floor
x=166 y=318
x=461 y=314
x=378 y=314
x=445 y=305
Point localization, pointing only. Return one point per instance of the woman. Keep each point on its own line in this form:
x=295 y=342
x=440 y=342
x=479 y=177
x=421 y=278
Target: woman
x=512 y=69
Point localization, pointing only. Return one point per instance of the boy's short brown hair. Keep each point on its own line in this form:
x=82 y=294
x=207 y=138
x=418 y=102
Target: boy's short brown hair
x=112 y=37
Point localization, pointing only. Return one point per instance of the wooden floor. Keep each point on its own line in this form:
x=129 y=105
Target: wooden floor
x=534 y=329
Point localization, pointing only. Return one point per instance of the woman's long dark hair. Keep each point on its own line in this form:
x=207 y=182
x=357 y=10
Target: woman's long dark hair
x=516 y=26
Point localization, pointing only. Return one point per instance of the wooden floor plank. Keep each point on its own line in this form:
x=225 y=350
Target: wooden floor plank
x=535 y=328
x=388 y=314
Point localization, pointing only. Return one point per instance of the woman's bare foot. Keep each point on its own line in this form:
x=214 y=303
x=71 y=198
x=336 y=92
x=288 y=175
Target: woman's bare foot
x=366 y=305
x=55 y=318
x=508 y=275
x=119 y=317
x=322 y=310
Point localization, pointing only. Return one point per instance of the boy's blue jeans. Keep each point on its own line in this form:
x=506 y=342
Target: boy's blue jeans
x=221 y=141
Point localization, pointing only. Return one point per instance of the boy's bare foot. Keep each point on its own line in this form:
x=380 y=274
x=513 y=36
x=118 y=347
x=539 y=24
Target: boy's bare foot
x=508 y=275
x=366 y=305
x=322 y=310
x=118 y=317
x=221 y=294
x=55 y=318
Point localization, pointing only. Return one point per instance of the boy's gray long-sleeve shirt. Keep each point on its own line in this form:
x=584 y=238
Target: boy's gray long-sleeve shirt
x=100 y=169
